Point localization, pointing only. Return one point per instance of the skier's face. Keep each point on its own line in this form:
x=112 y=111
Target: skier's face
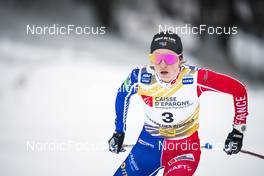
x=165 y=71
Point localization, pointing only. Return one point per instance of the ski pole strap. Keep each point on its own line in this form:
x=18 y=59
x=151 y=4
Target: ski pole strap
x=252 y=153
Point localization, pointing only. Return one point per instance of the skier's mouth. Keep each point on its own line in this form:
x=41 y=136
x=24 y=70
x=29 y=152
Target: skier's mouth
x=164 y=72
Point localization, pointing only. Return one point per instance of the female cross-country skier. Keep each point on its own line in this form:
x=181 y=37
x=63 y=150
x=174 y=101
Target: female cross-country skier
x=170 y=90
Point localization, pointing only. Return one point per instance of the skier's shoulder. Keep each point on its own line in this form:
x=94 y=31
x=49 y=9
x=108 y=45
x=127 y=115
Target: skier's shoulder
x=147 y=69
x=142 y=70
x=135 y=72
x=190 y=67
x=142 y=74
x=199 y=70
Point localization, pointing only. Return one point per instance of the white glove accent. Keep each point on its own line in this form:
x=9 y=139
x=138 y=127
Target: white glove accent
x=241 y=128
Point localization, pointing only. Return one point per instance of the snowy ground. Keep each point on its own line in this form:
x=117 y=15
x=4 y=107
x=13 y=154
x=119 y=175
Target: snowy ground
x=69 y=103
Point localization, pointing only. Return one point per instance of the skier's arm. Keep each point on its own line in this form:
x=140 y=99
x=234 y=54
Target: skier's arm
x=127 y=89
x=212 y=81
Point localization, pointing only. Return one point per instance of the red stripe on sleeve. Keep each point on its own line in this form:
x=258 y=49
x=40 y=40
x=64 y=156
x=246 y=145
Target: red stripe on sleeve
x=212 y=81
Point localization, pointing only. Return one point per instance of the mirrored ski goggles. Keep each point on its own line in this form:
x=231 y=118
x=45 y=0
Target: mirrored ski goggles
x=169 y=59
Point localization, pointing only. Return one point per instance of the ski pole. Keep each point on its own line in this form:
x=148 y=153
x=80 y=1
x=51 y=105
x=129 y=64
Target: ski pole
x=207 y=146
x=128 y=145
x=252 y=154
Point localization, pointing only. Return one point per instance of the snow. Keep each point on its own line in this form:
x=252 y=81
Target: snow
x=70 y=102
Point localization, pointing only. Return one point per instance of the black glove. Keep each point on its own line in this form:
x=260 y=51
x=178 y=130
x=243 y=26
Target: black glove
x=233 y=143
x=116 y=142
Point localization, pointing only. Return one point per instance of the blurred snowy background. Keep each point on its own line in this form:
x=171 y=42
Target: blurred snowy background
x=60 y=90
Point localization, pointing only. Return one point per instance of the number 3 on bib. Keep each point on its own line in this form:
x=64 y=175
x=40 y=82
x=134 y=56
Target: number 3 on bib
x=167 y=117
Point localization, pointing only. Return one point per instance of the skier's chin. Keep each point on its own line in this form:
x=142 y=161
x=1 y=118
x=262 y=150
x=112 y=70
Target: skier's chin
x=165 y=76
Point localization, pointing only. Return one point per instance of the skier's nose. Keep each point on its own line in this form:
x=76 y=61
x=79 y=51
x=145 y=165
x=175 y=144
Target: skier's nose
x=163 y=64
